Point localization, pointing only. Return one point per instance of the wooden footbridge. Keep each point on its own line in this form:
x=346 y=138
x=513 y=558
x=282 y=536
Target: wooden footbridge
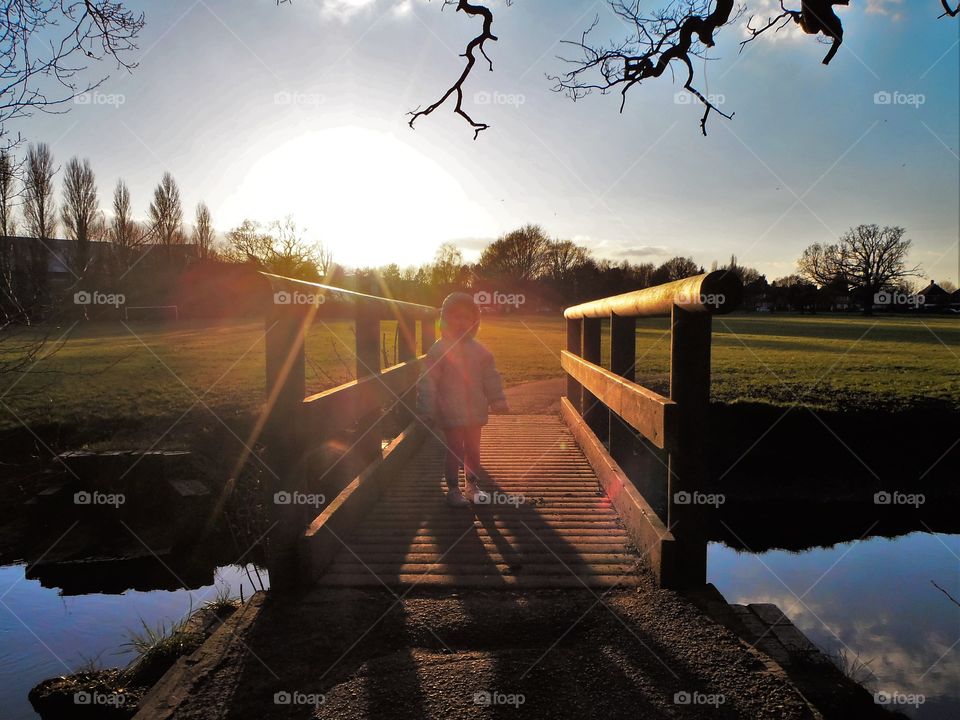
x=579 y=499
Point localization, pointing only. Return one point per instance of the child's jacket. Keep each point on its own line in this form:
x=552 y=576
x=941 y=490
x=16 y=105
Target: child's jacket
x=458 y=383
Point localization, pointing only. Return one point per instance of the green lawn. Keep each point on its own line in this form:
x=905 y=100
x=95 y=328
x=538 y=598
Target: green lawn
x=105 y=374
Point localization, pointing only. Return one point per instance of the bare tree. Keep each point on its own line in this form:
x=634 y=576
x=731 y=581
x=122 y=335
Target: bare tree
x=166 y=213
x=447 y=265
x=676 y=268
x=564 y=258
x=203 y=231
x=866 y=260
x=8 y=194
x=79 y=211
x=519 y=255
x=125 y=235
x=44 y=45
x=11 y=270
x=40 y=207
x=280 y=249
x=41 y=219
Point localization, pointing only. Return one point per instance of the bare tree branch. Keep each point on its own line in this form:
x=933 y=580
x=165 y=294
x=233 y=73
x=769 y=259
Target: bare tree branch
x=41 y=46
x=476 y=44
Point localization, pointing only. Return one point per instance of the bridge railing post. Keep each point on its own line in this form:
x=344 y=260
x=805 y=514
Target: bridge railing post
x=623 y=360
x=367 y=330
x=574 y=345
x=594 y=411
x=690 y=389
x=428 y=334
x=286 y=327
x=406 y=352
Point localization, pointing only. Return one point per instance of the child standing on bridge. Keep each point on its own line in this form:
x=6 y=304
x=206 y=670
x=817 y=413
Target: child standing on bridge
x=459 y=383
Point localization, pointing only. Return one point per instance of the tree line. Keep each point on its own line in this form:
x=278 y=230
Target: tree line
x=864 y=261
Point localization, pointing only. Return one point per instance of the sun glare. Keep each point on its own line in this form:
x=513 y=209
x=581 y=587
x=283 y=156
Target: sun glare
x=371 y=198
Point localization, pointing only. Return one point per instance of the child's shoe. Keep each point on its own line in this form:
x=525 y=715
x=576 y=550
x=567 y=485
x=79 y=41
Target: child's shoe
x=475 y=494
x=455 y=498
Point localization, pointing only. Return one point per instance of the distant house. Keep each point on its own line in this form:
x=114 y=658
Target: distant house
x=933 y=296
x=61 y=256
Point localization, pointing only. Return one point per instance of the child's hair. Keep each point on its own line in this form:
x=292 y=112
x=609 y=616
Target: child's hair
x=459 y=299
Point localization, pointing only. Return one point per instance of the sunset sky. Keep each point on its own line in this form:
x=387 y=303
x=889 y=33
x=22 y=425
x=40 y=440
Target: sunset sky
x=264 y=111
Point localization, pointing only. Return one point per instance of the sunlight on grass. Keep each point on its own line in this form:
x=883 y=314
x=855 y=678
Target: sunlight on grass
x=118 y=376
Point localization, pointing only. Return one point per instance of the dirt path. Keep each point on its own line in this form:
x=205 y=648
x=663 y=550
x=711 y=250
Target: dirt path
x=626 y=653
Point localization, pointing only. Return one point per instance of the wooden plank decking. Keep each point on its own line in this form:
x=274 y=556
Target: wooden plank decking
x=564 y=532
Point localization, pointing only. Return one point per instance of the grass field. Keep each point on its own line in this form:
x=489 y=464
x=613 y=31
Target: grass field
x=127 y=377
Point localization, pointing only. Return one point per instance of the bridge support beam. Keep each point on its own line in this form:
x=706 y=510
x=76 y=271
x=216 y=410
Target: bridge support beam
x=406 y=352
x=367 y=327
x=690 y=389
x=574 y=345
x=286 y=327
x=594 y=411
x=623 y=360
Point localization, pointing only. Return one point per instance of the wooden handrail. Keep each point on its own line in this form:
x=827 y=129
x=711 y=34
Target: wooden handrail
x=716 y=293
x=340 y=407
x=608 y=404
x=298 y=430
x=644 y=410
x=386 y=308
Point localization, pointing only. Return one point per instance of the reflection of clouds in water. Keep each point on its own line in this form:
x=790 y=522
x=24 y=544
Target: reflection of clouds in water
x=877 y=601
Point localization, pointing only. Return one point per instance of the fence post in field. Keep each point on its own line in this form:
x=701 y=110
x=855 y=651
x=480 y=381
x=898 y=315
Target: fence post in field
x=286 y=326
x=574 y=345
x=623 y=358
x=690 y=389
x=594 y=412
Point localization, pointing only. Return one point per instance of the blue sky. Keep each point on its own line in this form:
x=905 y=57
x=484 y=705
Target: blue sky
x=264 y=111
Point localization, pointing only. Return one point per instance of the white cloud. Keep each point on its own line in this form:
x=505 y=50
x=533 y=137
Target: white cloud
x=344 y=9
x=884 y=7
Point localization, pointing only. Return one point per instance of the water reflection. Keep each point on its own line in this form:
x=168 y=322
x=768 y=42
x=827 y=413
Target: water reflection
x=44 y=633
x=871 y=597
